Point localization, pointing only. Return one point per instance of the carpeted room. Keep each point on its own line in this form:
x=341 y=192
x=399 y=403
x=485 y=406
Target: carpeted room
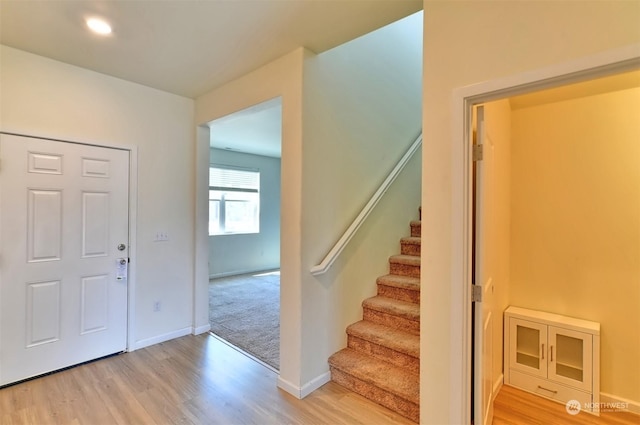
x=244 y=311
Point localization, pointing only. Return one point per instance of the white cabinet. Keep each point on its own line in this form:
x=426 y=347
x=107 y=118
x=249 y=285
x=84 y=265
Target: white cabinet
x=553 y=356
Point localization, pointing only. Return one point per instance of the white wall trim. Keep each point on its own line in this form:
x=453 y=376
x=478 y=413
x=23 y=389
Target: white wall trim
x=306 y=389
x=463 y=98
x=200 y=329
x=162 y=338
x=133 y=246
x=241 y=272
x=632 y=406
x=200 y=237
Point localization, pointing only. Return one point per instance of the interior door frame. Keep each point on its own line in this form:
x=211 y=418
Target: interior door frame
x=133 y=212
x=463 y=100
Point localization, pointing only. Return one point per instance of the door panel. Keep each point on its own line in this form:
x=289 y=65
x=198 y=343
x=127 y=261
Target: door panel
x=484 y=231
x=63 y=211
x=43 y=313
x=95 y=224
x=570 y=357
x=528 y=351
x=44 y=225
x=94 y=305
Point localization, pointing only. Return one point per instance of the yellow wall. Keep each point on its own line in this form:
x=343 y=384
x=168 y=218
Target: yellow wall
x=469 y=42
x=575 y=229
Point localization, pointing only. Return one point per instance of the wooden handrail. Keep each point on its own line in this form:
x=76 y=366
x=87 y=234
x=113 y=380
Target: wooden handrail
x=332 y=255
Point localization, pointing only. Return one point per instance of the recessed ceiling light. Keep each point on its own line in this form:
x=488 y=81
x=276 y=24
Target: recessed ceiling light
x=99 y=26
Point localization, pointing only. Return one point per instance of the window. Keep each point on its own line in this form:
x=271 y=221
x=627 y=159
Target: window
x=234 y=200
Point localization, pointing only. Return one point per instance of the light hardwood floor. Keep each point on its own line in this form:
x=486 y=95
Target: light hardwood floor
x=516 y=407
x=189 y=380
x=201 y=380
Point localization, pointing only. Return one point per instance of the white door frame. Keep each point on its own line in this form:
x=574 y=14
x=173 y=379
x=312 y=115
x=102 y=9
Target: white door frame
x=133 y=213
x=463 y=99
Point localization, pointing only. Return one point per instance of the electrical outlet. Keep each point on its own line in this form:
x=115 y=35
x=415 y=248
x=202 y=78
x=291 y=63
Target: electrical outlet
x=161 y=236
x=157 y=306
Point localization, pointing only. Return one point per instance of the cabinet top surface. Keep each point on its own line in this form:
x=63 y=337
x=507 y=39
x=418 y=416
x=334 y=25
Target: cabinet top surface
x=553 y=319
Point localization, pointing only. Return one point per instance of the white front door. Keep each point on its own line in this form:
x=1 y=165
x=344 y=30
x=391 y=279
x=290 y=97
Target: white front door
x=484 y=231
x=64 y=223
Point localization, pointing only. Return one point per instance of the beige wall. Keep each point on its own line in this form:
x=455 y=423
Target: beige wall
x=46 y=98
x=576 y=222
x=282 y=77
x=468 y=42
x=360 y=111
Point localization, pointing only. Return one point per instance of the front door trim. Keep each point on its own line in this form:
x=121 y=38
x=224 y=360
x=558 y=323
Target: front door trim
x=133 y=212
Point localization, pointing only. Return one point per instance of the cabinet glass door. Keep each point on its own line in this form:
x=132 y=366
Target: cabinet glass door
x=527 y=351
x=570 y=357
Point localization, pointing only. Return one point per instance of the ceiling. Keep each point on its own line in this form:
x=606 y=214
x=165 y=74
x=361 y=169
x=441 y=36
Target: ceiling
x=188 y=47
x=256 y=130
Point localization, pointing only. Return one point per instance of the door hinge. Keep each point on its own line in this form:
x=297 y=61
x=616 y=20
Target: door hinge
x=476 y=293
x=477 y=152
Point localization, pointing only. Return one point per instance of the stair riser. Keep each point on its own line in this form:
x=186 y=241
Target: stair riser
x=410 y=249
x=416 y=229
x=412 y=326
x=404 y=269
x=394 y=357
x=406 y=408
x=400 y=294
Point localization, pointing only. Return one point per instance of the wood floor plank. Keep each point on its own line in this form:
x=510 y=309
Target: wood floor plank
x=190 y=380
x=513 y=406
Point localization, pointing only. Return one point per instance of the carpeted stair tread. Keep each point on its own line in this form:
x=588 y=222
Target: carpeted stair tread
x=379 y=373
x=409 y=260
x=404 y=309
x=395 y=339
x=416 y=228
x=411 y=245
x=399 y=281
x=413 y=240
x=400 y=287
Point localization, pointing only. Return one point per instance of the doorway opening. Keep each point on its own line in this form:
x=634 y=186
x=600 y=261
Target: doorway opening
x=532 y=192
x=244 y=230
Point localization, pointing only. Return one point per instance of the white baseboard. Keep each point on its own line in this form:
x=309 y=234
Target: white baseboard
x=497 y=385
x=306 y=389
x=201 y=329
x=314 y=384
x=289 y=387
x=161 y=338
x=618 y=402
x=241 y=272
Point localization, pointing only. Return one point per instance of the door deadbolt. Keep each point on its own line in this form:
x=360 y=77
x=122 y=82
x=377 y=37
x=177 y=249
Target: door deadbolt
x=121 y=247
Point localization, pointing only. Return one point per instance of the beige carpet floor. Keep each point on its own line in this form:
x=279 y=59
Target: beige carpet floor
x=244 y=310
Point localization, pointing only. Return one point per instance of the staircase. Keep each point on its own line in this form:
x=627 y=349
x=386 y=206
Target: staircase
x=382 y=358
